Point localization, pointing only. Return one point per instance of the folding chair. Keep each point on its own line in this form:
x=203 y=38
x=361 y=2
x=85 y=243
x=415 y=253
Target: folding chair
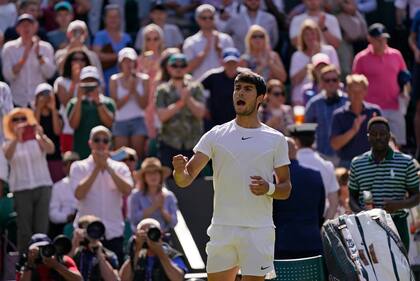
x=304 y=269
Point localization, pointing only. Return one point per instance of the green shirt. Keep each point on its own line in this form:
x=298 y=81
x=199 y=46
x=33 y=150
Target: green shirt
x=387 y=180
x=183 y=130
x=89 y=119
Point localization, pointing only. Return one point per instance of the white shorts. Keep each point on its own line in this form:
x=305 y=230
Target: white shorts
x=250 y=248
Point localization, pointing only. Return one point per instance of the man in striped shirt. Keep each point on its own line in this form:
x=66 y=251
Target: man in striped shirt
x=389 y=175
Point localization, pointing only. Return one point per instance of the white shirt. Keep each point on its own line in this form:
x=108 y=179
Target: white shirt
x=28 y=167
x=196 y=43
x=6 y=105
x=62 y=203
x=23 y=84
x=131 y=108
x=331 y=23
x=414 y=6
x=4 y=169
x=310 y=159
x=8 y=15
x=103 y=199
x=239 y=153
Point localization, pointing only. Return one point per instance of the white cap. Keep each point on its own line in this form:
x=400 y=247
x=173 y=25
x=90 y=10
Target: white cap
x=43 y=87
x=77 y=24
x=99 y=129
x=89 y=72
x=128 y=53
x=320 y=58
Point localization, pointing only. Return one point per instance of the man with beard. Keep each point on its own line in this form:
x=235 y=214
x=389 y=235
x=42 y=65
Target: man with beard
x=389 y=175
x=181 y=109
x=245 y=154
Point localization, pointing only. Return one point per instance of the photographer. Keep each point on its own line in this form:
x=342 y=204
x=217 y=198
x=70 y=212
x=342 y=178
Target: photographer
x=94 y=261
x=45 y=261
x=151 y=259
x=90 y=106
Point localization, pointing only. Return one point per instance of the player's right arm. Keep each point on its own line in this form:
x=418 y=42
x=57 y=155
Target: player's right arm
x=186 y=171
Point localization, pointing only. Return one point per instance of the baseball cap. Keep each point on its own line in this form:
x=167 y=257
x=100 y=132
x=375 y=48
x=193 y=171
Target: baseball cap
x=43 y=87
x=177 y=57
x=63 y=5
x=231 y=54
x=302 y=129
x=157 y=5
x=76 y=24
x=99 y=129
x=127 y=53
x=89 y=72
x=320 y=58
x=24 y=17
x=39 y=239
x=378 y=30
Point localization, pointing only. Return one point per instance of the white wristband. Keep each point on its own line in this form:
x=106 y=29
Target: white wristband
x=271 y=188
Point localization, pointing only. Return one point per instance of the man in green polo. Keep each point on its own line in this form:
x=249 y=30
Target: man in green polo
x=390 y=176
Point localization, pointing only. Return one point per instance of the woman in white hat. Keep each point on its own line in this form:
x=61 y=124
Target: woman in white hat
x=153 y=199
x=25 y=149
x=130 y=93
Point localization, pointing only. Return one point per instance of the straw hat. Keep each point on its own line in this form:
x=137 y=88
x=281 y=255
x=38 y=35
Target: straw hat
x=7 y=120
x=151 y=164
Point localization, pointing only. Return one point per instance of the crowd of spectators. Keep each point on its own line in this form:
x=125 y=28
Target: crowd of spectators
x=96 y=97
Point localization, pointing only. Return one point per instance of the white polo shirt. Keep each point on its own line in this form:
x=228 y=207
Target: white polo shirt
x=239 y=153
x=311 y=159
x=103 y=200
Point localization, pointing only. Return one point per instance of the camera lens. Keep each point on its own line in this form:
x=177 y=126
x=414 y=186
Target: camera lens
x=95 y=230
x=62 y=245
x=154 y=234
x=47 y=251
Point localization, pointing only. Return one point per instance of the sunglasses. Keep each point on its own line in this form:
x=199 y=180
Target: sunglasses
x=155 y=39
x=330 y=80
x=19 y=119
x=207 y=18
x=183 y=65
x=277 y=93
x=101 y=140
x=258 y=36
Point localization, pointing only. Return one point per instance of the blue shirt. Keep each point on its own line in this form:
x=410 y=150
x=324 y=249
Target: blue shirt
x=298 y=227
x=320 y=109
x=415 y=28
x=342 y=121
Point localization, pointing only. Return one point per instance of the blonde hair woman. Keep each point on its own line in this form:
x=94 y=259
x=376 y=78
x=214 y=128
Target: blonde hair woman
x=259 y=57
x=309 y=44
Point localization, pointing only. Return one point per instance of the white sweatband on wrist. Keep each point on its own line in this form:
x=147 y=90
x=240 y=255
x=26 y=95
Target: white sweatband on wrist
x=271 y=188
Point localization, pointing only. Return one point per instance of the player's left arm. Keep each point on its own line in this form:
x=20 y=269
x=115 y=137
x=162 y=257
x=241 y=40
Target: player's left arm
x=282 y=188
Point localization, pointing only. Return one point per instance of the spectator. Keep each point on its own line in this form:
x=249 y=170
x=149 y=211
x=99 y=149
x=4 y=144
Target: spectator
x=29 y=179
x=181 y=13
x=275 y=112
x=204 y=49
x=398 y=178
x=47 y=116
x=6 y=105
x=171 y=33
x=78 y=38
x=65 y=87
x=8 y=14
x=308 y=43
x=401 y=10
x=225 y=10
x=109 y=41
x=63 y=204
x=320 y=110
x=327 y=23
x=27 y=61
x=414 y=41
x=130 y=91
x=342 y=175
x=32 y=8
x=100 y=183
x=91 y=106
x=238 y=26
x=259 y=57
x=304 y=136
x=96 y=262
x=381 y=65
x=96 y=13
x=181 y=109
x=168 y=264
x=298 y=229
x=313 y=87
x=153 y=200
x=349 y=122
x=63 y=16
x=4 y=173
x=49 y=268
x=219 y=84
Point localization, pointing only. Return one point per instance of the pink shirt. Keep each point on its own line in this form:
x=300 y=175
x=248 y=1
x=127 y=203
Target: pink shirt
x=382 y=72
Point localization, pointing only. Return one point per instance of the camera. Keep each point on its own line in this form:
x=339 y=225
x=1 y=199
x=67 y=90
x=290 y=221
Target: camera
x=154 y=234
x=94 y=231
